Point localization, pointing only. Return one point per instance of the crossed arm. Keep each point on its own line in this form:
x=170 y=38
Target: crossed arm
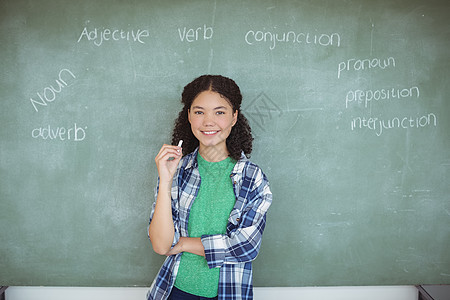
x=161 y=229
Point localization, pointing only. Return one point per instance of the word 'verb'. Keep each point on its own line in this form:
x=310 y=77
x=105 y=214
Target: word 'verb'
x=191 y=35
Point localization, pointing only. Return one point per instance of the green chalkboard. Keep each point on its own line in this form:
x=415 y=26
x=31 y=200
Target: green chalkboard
x=349 y=105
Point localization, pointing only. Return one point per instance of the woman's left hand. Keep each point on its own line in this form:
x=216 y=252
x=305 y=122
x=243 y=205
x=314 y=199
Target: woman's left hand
x=187 y=244
x=176 y=249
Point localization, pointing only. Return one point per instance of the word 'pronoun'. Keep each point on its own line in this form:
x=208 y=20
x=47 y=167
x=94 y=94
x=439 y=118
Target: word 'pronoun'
x=354 y=64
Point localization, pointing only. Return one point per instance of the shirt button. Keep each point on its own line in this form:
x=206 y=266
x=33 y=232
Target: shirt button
x=238 y=219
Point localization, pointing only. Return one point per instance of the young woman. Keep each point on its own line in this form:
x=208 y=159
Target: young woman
x=211 y=201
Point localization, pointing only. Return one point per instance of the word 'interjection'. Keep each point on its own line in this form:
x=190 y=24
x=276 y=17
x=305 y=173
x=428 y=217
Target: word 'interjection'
x=253 y=37
x=379 y=125
x=73 y=133
x=49 y=93
x=98 y=36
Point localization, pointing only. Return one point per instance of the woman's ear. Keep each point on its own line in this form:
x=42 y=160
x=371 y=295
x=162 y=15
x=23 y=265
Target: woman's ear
x=235 y=116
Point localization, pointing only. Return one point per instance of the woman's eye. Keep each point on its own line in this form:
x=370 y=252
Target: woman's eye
x=220 y=112
x=198 y=112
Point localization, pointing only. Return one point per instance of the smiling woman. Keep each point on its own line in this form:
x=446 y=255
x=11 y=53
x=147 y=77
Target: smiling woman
x=204 y=218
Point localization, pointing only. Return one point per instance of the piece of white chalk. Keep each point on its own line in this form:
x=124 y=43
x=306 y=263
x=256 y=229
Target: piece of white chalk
x=180 y=143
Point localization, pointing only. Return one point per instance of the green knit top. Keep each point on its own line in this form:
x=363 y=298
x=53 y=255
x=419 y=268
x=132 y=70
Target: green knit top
x=208 y=215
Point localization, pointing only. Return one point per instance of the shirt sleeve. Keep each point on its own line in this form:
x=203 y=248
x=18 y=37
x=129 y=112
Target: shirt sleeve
x=242 y=243
x=175 y=209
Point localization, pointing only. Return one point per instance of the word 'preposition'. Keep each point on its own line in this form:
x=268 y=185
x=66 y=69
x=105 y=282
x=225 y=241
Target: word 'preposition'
x=367 y=96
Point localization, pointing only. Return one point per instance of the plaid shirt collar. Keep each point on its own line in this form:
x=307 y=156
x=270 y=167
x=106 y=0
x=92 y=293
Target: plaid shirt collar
x=238 y=168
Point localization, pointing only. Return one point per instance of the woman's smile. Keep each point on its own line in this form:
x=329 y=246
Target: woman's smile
x=210 y=132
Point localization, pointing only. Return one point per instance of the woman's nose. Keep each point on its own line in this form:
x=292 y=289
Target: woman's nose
x=208 y=119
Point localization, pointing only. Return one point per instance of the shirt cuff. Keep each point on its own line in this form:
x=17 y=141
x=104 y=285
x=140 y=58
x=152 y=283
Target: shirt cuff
x=215 y=246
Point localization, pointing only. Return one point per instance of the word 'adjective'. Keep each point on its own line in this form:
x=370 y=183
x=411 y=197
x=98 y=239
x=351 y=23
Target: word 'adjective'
x=192 y=35
x=75 y=133
x=97 y=36
x=49 y=93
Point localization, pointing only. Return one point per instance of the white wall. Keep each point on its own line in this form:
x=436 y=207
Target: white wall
x=304 y=293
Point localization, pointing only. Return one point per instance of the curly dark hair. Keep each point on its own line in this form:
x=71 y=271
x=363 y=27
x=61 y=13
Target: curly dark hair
x=240 y=138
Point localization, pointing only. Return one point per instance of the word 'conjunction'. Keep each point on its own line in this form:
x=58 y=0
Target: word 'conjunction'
x=253 y=37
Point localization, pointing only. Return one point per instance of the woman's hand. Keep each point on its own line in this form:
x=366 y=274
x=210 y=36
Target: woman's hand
x=188 y=244
x=167 y=161
x=178 y=248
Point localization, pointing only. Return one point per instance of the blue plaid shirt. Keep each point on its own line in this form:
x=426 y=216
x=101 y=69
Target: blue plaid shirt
x=234 y=252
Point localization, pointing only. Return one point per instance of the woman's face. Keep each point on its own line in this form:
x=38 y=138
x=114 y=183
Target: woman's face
x=211 y=117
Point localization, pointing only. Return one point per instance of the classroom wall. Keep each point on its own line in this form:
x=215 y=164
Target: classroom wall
x=348 y=103
x=305 y=293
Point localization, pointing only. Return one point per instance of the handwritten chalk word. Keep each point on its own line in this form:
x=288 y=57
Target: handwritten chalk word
x=363 y=64
x=97 y=36
x=379 y=125
x=74 y=133
x=359 y=96
x=49 y=93
x=191 y=35
x=323 y=39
